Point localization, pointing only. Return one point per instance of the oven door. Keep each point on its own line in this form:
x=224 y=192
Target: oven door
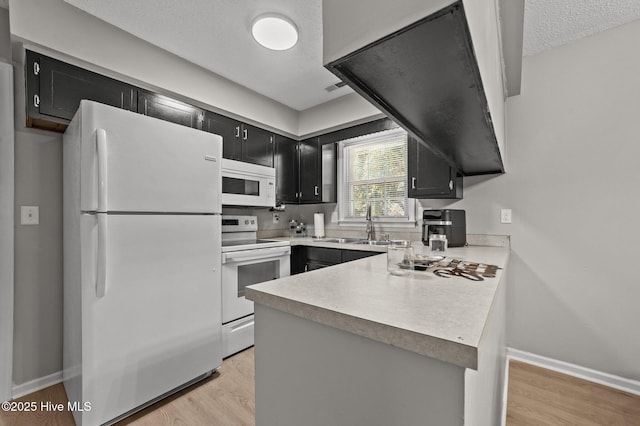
x=246 y=267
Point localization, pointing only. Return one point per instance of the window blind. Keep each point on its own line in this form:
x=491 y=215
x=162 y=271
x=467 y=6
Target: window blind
x=376 y=173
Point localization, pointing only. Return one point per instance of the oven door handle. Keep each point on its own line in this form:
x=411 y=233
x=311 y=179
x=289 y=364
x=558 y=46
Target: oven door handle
x=258 y=254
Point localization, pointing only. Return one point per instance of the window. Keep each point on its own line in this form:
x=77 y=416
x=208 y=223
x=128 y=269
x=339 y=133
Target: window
x=374 y=171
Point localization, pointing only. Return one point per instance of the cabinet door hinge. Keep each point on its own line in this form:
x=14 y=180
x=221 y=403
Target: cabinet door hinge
x=36 y=101
x=36 y=68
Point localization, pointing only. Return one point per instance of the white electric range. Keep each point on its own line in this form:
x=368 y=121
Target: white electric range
x=246 y=260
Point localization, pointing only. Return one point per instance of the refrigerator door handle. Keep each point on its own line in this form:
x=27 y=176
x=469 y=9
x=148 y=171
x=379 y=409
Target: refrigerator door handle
x=101 y=264
x=101 y=143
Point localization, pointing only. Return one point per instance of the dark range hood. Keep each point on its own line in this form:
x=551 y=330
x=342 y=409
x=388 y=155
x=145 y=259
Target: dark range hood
x=425 y=77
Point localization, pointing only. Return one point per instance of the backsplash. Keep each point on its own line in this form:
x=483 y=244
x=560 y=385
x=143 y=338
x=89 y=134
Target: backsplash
x=304 y=213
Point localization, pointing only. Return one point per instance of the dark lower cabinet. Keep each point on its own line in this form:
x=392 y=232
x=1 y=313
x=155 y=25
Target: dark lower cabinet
x=429 y=176
x=349 y=255
x=306 y=258
x=298 y=259
x=167 y=109
x=55 y=89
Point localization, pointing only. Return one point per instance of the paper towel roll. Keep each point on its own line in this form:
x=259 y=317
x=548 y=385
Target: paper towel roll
x=318 y=225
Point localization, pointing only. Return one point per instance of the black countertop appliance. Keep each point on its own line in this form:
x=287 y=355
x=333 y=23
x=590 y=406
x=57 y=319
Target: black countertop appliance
x=451 y=223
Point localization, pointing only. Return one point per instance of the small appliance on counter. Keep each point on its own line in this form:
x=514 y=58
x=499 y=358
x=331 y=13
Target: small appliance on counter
x=451 y=223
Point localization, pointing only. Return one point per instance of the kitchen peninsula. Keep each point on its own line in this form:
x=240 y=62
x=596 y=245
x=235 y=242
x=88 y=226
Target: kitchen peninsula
x=353 y=345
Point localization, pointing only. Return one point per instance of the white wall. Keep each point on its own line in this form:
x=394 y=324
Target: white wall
x=573 y=184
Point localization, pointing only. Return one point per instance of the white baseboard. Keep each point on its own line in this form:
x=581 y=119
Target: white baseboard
x=616 y=382
x=36 y=385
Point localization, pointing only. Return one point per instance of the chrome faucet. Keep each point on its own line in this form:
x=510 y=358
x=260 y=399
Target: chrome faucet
x=369 y=224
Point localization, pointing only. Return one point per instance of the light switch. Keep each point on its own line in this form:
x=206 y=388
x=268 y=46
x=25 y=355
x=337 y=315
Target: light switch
x=505 y=216
x=29 y=215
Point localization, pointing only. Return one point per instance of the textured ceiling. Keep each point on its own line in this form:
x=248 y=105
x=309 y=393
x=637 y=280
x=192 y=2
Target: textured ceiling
x=215 y=34
x=551 y=23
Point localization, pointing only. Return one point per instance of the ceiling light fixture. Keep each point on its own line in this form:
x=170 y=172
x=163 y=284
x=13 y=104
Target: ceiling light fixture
x=275 y=32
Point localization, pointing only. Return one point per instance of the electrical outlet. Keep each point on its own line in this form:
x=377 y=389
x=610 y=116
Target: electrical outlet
x=505 y=216
x=276 y=218
x=29 y=215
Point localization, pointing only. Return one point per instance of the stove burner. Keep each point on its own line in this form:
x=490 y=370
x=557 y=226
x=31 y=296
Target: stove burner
x=469 y=270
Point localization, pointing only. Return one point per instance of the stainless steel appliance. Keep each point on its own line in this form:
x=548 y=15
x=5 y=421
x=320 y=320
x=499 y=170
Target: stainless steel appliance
x=246 y=260
x=245 y=184
x=451 y=223
x=142 y=232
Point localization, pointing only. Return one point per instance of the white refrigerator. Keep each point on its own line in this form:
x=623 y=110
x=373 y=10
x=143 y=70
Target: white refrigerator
x=142 y=290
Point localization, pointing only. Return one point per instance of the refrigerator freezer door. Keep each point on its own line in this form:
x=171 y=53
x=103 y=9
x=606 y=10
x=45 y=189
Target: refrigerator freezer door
x=158 y=324
x=135 y=163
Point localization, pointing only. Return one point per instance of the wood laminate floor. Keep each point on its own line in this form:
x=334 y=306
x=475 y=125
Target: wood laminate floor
x=225 y=399
x=541 y=397
x=537 y=397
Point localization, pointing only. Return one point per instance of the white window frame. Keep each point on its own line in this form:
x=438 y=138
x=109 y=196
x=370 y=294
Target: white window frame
x=343 y=193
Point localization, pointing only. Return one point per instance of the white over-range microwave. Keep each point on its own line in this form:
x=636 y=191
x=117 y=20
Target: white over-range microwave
x=245 y=184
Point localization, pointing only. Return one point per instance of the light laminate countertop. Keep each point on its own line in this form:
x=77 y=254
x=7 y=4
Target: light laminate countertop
x=442 y=318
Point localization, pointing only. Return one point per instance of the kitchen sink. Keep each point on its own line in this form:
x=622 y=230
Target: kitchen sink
x=374 y=242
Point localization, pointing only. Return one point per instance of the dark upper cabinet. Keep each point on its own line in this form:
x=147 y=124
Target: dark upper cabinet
x=55 y=89
x=229 y=129
x=167 y=109
x=317 y=170
x=429 y=176
x=310 y=184
x=257 y=145
x=241 y=142
x=426 y=78
x=285 y=161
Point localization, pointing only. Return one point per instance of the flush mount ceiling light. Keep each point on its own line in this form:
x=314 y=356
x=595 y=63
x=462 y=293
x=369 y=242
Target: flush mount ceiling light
x=275 y=32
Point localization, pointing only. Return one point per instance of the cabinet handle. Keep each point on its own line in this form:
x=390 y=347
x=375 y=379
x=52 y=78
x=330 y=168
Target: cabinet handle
x=450 y=185
x=413 y=183
x=237 y=131
x=245 y=134
x=315 y=190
